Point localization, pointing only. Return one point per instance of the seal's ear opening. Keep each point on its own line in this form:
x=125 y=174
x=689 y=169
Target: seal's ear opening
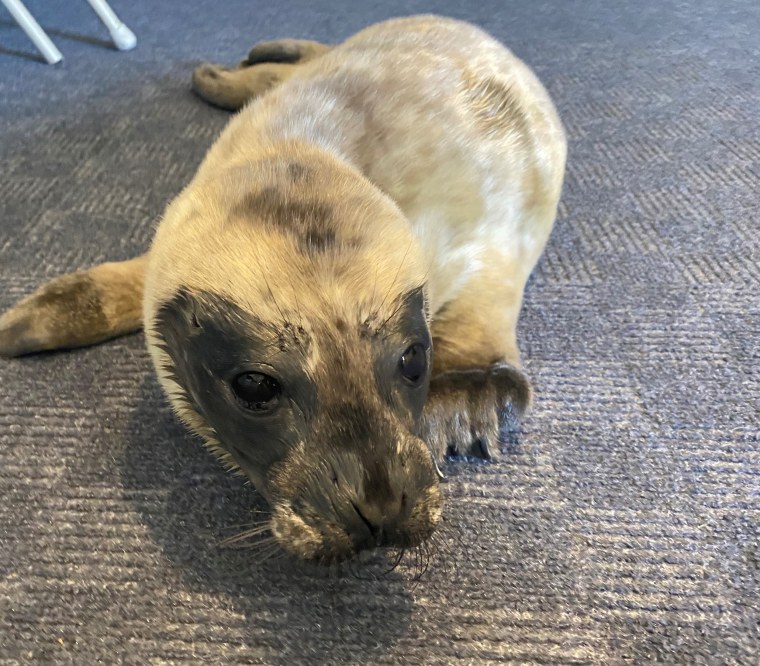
x=180 y=317
x=76 y=310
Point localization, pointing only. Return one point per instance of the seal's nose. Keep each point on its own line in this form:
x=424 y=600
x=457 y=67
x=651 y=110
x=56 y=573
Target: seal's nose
x=375 y=529
x=377 y=523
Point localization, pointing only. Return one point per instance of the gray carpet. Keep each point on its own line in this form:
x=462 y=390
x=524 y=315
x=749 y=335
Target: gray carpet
x=620 y=526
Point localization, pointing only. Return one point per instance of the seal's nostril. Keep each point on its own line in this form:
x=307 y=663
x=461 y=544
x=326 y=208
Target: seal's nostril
x=374 y=530
x=403 y=500
x=335 y=480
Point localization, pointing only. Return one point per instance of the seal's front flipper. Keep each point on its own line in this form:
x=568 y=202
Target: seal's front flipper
x=466 y=409
x=76 y=310
x=477 y=384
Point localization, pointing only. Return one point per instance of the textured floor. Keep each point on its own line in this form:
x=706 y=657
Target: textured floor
x=622 y=526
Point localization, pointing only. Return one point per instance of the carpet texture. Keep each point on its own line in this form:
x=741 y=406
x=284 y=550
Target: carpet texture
x=621 y=524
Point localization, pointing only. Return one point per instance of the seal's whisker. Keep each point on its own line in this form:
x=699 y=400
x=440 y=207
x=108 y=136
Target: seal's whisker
x=400 y=305
x=298 y=305
x=262 y=541
x=420 y=565
x=270 y=553
x=255 y=528
x=248 y=534
x=374 y=290
x=252 y=546
x=391 y=316
x=424 y=560
x=395 y=278
x=428 y=555
x=261 y=529
x=418 y=562
x=274 y=300
x=267 y=549
x=236 y=526
x=445 y=536
x=253 y=523
x=396 y=561
x=437 y=550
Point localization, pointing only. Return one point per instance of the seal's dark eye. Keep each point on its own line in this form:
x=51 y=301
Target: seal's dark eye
x=413 y=364
x=256 y=391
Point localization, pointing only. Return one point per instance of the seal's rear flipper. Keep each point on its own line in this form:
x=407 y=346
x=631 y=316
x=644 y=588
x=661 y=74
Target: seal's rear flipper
x=76 y=310
x=284 y=50
x=267 y=65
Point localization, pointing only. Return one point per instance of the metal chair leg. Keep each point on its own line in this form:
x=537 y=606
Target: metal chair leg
x=33 y=30
x=122 y=36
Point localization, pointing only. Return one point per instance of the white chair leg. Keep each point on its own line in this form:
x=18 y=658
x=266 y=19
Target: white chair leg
x=33 y=30
x=122 y=36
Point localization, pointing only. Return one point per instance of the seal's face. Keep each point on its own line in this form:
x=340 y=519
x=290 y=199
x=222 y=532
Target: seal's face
x=319 y=414
x=286 y=316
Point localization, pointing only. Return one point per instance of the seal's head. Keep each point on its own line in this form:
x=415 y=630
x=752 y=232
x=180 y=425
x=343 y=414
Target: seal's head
x=285 y=310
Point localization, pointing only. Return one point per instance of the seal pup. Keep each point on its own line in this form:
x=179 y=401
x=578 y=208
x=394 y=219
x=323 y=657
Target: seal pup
x=335 y=294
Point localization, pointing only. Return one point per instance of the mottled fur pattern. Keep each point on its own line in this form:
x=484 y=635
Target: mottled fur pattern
x=75 y=310
x=386 y=194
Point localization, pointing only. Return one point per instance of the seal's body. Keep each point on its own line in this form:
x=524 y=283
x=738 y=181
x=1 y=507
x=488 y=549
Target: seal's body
x=335 y=294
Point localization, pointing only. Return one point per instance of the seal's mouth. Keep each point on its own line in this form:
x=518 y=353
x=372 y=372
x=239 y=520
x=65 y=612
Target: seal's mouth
x=335 y=497
x=308 y=532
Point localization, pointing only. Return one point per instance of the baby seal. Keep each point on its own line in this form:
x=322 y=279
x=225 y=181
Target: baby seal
x=331 y=303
